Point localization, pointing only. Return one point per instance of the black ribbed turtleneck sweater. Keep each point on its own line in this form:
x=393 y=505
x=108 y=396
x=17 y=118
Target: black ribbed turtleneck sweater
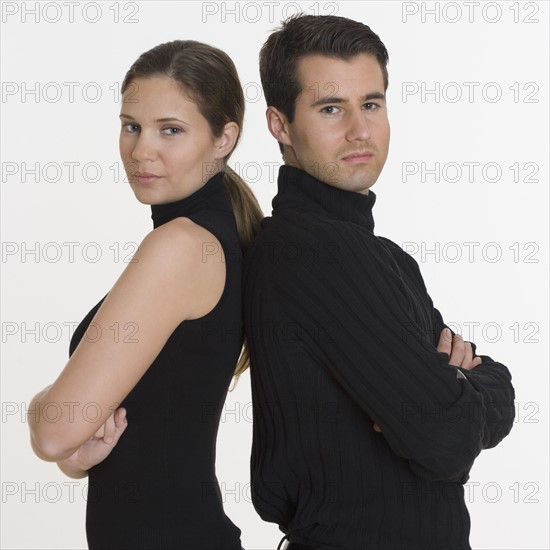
x=157 y=490
x=343 y=334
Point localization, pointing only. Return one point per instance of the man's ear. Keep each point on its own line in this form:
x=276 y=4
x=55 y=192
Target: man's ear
x=226 y=142
x=278 y=125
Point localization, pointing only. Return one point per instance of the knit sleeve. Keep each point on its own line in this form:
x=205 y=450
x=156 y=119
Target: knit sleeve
x=360 y=318
x=491 y=379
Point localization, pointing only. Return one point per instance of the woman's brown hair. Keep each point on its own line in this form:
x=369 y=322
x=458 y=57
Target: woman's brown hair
x=208 y=76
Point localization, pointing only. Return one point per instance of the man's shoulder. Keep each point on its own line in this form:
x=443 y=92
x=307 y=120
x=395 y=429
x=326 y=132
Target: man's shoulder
x=308 y=225
x=289 y=245
x=404 y=261
x=284 y=231
x=399 y=254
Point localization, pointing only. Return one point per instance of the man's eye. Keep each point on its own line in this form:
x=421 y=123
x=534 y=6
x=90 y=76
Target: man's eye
x=371 y=106
x=171 y=131
x=329 y=109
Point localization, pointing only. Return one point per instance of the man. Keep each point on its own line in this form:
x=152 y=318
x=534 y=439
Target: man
x=368 y=411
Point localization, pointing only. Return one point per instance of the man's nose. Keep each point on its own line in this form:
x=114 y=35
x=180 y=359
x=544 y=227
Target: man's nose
x=358 y=128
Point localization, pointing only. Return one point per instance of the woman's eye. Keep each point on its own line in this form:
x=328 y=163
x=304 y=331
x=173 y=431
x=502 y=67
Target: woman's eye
x=131 y=128
x=172 y=131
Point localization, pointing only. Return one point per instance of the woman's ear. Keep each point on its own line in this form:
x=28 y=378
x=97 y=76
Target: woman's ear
x=226 y=142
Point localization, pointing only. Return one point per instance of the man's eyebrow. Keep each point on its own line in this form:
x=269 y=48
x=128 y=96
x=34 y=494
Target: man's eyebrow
x=335 y=99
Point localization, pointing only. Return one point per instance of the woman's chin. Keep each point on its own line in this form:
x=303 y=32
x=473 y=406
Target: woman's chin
x=143 y=196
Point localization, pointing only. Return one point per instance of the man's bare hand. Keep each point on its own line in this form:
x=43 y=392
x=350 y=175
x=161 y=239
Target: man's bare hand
x=97 y=448
x=460 y=352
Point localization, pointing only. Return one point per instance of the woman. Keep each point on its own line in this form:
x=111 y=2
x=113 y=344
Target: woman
x=161 y=347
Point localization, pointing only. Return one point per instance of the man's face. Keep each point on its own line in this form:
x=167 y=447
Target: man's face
x=340 y=133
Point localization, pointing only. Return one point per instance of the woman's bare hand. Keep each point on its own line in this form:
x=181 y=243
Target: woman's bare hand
x=97 y=448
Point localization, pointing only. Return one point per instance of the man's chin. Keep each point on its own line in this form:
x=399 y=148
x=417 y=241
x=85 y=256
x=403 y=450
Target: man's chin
x=357 y=179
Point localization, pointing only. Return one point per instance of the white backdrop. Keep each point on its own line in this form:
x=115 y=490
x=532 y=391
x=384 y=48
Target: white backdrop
x=465 y=191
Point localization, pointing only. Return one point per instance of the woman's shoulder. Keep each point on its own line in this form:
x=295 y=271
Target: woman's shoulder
x=188 y=260
x=180 y=241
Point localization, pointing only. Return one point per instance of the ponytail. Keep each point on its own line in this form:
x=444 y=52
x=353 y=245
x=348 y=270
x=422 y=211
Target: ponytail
x=248 y=216
x=248 y=213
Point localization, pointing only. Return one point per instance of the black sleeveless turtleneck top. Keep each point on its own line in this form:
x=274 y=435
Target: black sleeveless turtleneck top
x=157 y=490
x=342 y=334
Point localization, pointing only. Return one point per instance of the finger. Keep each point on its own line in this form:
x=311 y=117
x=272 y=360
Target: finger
x=470 y=362
x=377 y=428
x=110 y=429
x=100 y=432
x=120 y=418
x=473 y=362
x=122 y=424
x=445 y=341
x=457 y=354
x=468 y=354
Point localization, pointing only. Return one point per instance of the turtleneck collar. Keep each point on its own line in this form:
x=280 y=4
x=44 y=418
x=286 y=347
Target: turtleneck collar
x=210 y=196
x=298 y=189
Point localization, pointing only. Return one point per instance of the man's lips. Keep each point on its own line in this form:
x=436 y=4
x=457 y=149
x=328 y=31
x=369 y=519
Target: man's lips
x=359 y=156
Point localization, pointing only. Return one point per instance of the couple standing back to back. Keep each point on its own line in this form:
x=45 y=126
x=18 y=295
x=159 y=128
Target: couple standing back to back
x=347 y=352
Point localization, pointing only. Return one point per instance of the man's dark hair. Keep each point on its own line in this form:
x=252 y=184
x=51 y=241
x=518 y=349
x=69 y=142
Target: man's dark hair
x=303 y=35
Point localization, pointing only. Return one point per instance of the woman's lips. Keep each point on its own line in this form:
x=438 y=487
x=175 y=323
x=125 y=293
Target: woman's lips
x=146 y=177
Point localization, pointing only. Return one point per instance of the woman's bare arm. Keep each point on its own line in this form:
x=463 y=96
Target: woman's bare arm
x=167 y=282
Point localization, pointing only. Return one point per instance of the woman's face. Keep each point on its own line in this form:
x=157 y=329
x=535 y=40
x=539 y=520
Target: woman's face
x=166 y=145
